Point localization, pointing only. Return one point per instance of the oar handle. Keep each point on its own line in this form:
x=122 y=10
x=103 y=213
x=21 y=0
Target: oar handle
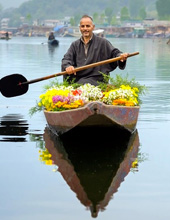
x=103 y=62
x=80 y=68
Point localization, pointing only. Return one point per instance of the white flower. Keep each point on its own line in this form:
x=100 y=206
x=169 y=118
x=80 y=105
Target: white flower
x=91 y=92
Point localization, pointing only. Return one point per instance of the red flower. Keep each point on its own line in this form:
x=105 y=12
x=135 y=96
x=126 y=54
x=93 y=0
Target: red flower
x=77 y=92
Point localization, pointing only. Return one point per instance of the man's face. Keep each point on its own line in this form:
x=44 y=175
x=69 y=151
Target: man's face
x=86 y=27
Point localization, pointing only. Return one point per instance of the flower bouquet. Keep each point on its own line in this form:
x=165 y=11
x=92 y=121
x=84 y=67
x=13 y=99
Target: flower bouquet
x=61 y=97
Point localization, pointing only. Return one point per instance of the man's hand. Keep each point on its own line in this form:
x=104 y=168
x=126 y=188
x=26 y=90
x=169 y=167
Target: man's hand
x=124 y=56
x=71 y=70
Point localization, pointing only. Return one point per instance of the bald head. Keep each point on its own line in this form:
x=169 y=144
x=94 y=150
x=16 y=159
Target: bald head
x=86 y=27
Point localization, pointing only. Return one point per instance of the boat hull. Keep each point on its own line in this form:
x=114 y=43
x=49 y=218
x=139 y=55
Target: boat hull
x=53 y=42
x=93 y=114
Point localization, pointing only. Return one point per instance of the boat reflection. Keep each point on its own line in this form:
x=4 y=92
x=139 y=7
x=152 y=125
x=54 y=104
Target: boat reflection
x=93 y=162
x=51 y=49
x=13 y=128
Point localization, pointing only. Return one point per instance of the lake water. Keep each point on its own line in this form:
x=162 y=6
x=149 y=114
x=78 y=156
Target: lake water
x=84 y=173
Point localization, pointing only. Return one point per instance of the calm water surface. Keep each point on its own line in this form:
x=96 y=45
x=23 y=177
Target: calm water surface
x=84 y=173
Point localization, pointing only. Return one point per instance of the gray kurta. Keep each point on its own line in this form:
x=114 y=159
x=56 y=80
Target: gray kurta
x=99 y=49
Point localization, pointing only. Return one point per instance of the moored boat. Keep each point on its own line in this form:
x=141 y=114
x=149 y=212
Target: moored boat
x=93 y=114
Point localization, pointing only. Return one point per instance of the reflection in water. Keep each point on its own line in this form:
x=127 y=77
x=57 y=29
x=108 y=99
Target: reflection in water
x=12 y=127
x=51 y=49
x=92 y=162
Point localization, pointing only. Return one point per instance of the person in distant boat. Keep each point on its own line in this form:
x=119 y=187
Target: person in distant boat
x=7 y=35
x=90 y=49
x=51 y=36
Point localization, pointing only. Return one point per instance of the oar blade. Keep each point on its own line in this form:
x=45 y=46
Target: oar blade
x=10 y=85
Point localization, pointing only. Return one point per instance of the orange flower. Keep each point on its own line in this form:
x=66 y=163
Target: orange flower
x=119 y=102
x=129 y=103
x=122 y=102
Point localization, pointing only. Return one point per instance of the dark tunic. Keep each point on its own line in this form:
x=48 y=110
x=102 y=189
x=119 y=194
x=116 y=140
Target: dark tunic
x=51 y=37
x=99 y=49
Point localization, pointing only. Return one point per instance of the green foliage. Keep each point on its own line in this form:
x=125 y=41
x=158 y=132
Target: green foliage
x=108 y=84
x=134 y=7
x=15 y=20
x=52 y=83
x=111 y=83
x=124 y=14
x=142 y=13
x=64 y=83
x=114 y=21
x=35 y=109
x=116 y=82
x=72 y=21
x=56 y=9
x=163 y=8
x=109 y=14
x=96 y=18
x=119 y=80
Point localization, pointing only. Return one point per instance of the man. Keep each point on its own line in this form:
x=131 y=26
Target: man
x=51 y=36
x=90 y=49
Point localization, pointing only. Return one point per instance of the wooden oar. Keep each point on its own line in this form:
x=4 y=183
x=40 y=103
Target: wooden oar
x=16 y=84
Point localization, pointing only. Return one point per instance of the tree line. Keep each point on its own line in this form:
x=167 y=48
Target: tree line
x=103 y=11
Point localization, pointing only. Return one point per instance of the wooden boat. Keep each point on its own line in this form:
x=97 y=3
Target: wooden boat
x=93 y=114
x=5 y=38
x=53 y=42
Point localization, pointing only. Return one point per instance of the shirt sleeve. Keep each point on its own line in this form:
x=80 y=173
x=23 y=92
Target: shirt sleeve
x=122 y=65
x=68 y=59
x=116 y=53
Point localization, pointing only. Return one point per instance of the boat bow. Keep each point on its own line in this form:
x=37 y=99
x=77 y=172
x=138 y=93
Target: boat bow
x=93 y=114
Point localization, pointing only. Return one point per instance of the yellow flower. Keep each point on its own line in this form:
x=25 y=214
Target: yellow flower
x=135 y=164
x=63 y=98
x=49 y=162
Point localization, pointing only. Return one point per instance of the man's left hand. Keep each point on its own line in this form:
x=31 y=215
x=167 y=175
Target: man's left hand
x=124 y=57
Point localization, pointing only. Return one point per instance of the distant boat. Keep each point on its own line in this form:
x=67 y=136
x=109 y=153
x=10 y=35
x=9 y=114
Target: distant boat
x=99 y=32
x=5 y=38
x=53 y=42
x=72 y=32
x=5 y=35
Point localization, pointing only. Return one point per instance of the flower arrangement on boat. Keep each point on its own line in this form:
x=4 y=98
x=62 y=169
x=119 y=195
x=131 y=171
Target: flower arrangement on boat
x=60 y=97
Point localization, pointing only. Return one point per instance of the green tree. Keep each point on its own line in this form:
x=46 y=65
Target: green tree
x=115 y=6
x=29 y=18
x=96 y=18
x=109 y=14
x=134 y=7
x=15 y=20
x=163 y=9
x=142 y=13
x=114 y=20
x=72 y=21
x=77 y=18
x=124 y=14
x=102 y=18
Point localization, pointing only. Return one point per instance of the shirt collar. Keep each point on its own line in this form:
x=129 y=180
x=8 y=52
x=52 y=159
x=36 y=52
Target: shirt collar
x=83 y=39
